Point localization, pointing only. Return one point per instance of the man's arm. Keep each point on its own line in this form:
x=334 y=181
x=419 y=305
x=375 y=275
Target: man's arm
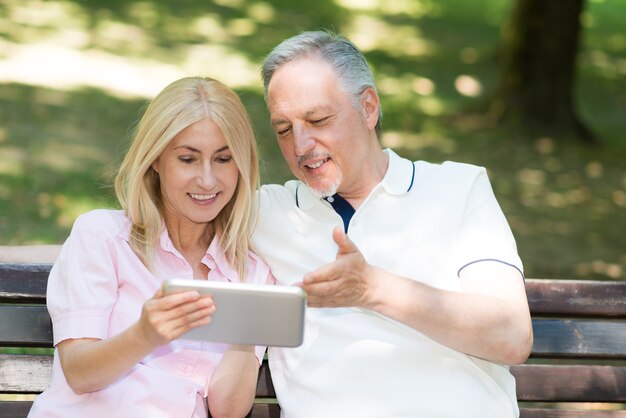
x=489 y=319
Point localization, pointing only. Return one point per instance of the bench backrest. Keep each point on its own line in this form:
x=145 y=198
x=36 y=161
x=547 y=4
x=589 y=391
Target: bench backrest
x=579 y=351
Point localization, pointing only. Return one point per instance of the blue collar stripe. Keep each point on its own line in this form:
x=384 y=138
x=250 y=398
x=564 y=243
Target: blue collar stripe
x=412 y=176
x=297 y=200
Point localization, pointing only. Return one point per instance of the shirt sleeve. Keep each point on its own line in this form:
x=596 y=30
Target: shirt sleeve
x=82 y=286
x=485 y=234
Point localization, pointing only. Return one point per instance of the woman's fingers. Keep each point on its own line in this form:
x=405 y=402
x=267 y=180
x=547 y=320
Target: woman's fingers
x=165 y=318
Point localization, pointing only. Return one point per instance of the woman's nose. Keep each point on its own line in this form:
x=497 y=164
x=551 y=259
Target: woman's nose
x=206 y=176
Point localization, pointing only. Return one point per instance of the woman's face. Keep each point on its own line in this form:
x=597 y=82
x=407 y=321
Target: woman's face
x=197 y=173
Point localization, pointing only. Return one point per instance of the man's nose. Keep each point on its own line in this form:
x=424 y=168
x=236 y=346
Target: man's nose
x=303 y=141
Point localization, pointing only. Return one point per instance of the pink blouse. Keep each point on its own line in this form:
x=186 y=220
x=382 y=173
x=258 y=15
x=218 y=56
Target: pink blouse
x=96 y=289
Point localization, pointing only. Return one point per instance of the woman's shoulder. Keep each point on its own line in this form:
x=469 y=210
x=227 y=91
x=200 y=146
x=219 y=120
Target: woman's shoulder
x=107 y=222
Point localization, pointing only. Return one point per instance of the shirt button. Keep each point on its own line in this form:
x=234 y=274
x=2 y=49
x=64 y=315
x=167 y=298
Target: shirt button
x=189 y=389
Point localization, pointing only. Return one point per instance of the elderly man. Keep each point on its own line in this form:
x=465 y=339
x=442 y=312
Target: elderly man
x=415 y=289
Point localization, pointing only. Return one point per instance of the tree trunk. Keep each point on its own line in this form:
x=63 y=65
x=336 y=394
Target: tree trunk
x=538 y=60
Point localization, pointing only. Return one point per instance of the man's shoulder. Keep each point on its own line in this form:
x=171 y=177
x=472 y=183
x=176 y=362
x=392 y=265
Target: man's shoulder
x=448 y=172
x=436 y=168
x=279 y=194
x=449 y=167
x=276 y=203
x=448 y=178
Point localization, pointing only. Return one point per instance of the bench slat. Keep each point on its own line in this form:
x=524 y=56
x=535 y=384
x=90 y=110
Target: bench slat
x=592 y=383
x=25 y=326
x=264 y=411
x=22 y=373
x=265 y=388
x=30 y=326
x=578 y=298
x=32 y=374
x=566 y=338
x=24 y=282
x=546 y=297
x=570 y=383
x=14 y=409
x=19 y=409
x=569 y=413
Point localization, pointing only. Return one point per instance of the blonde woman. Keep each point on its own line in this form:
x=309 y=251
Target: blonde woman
x=186 y=187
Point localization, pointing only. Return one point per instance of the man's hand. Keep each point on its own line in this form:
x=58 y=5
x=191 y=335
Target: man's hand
x=347 y=281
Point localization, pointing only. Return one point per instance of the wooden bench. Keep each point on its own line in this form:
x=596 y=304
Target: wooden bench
x=577 y=369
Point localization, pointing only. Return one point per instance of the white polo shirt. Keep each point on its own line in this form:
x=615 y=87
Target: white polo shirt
x=425 y=222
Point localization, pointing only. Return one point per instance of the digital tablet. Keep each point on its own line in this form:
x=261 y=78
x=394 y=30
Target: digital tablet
x=251 y=314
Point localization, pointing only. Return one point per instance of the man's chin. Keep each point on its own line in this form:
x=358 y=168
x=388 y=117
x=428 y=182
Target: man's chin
x=320 y=190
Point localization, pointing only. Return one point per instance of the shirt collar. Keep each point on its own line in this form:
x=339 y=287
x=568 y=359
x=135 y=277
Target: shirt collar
x=215 y=254
x=400 y=174
x=398 y=180
x=305 y=198
x=214 y=257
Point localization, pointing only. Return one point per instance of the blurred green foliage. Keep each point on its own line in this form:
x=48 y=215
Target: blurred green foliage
x=75 y=76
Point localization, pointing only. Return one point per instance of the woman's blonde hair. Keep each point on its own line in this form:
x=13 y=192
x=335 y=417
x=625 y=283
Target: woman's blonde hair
x=179 y=105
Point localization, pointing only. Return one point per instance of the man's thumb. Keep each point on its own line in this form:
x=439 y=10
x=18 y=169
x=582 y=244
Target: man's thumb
x=343 y=242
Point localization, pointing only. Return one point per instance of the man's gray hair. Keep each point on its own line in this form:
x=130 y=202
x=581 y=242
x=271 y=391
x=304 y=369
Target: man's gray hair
x=342 y=55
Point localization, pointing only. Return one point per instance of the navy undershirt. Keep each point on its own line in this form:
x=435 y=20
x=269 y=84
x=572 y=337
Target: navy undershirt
x=342 y=207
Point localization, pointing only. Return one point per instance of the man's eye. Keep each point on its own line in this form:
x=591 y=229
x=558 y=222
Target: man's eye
x=319 y=121
x=283 y=132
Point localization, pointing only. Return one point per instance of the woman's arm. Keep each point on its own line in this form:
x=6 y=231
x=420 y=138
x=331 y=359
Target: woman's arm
x=233 y=384
x=91 y=364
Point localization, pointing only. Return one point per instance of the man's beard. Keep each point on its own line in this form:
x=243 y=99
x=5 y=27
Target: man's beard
x=327 y=191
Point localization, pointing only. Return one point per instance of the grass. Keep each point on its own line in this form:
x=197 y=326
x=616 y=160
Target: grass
x=74 y=76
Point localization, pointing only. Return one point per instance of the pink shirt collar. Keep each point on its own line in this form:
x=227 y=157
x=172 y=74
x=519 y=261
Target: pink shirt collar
x=214 y=258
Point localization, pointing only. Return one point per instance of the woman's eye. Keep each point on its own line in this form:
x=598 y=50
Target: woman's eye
x=186 y=160
x=224 y=160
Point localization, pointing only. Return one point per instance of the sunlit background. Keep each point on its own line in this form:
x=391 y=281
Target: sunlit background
x=75 y=76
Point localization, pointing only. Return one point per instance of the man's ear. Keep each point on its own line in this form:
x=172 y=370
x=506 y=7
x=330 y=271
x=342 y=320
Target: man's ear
x=371 y=104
